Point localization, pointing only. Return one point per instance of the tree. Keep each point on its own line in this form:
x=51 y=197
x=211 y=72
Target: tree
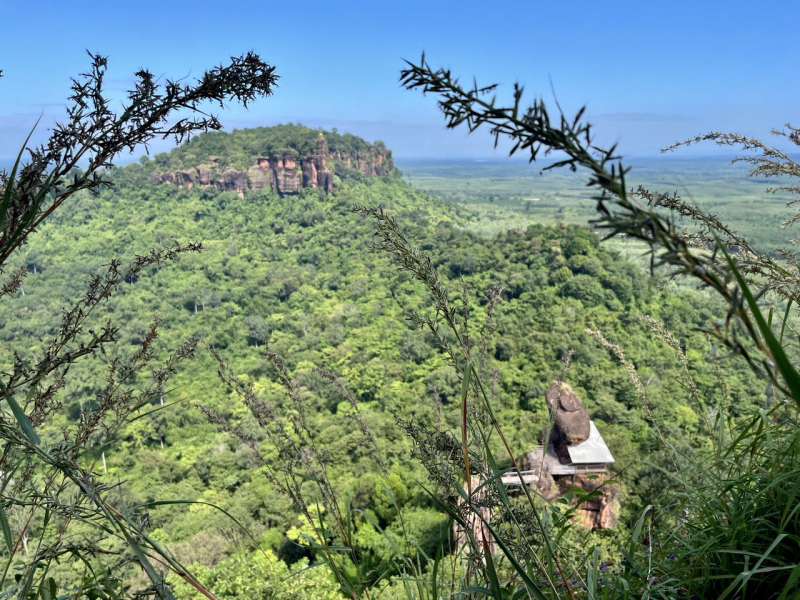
x=256 y=327
x=52 y=481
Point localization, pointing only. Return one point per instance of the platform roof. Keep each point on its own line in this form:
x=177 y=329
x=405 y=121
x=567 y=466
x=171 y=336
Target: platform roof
x=593 y=450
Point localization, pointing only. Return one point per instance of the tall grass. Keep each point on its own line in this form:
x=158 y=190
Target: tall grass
x=49 y=488
x=728 y=527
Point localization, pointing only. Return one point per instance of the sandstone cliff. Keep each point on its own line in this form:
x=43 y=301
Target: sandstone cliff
x=570 y=419
x=286 y=172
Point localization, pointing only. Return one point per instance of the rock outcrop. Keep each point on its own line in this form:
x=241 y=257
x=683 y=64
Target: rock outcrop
x=286 y=172
x=551 y=465
x=571 y=420
x=601 y=511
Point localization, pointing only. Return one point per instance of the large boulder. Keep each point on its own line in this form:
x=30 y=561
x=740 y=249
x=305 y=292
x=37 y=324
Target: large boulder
x=287 y=174
x=308 y=167
x=185 y=177
x=571 y=419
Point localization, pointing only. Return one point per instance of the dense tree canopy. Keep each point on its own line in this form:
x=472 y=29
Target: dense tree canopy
x=297 y=273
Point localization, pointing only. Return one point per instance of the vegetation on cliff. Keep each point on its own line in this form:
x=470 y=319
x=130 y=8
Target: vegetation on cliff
x=286 y=158
x=236 y=149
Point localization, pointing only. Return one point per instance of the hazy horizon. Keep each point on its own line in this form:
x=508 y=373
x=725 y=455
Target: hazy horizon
x=649 y=74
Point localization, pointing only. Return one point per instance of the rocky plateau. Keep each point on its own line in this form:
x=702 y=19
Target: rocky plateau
x=284 y=172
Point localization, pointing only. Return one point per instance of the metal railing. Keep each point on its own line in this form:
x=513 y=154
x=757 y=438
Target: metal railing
x=529 y=477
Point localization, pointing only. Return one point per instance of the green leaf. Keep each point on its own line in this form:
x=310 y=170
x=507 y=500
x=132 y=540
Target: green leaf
x=637 y=531
x=784 y=365
x=592 y=574
x=6 y=530
x=791 y=582
x=477 y=589
x=785 y=319
x=23 y=421
x=491 y=573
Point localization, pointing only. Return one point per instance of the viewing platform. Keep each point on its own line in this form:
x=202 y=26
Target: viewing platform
x=590 y=456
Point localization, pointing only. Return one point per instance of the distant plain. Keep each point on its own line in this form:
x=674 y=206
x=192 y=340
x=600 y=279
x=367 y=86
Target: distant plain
x=513 y=194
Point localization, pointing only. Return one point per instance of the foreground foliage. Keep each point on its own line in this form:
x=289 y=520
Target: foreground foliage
x=49 y=486
x=730 y=518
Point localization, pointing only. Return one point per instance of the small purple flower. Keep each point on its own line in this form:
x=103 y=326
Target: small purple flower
x=616 y=536
x=574 y=581
x=672 y=557
x=655 y=579
x=603 y=566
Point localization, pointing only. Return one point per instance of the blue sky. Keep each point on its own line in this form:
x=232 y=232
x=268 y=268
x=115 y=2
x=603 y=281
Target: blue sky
x=650 y=72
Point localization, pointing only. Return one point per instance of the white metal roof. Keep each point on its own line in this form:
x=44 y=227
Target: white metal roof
x=593 y=450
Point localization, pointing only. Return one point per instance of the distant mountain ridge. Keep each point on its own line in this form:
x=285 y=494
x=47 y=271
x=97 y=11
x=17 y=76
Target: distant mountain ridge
x=286 y=158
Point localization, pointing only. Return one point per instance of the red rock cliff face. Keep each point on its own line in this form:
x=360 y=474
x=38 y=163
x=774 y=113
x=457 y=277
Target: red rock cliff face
x=282 y=173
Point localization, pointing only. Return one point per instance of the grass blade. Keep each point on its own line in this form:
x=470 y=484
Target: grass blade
x=6 y=530
x=782 y=362
x=464 y=441
x=491 y=573
x=785 y=319
x=23 y=421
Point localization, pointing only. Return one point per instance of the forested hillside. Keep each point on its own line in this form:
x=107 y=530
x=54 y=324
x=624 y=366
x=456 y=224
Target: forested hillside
x=296 y=271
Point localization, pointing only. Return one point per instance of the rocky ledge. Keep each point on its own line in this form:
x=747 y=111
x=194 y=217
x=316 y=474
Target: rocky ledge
x=286 y=172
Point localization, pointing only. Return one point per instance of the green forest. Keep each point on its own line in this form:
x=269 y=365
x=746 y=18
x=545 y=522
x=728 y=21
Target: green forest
x=318 y=394
x=237 y=149
x=298 y=273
